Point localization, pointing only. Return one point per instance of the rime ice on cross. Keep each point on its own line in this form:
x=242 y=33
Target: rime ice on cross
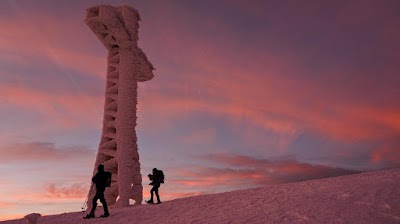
x=117 y=28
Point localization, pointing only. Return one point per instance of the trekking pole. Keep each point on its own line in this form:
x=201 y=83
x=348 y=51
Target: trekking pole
x=84 y=206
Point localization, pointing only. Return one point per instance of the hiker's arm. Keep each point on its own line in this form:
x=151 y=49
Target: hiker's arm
x=94 y=179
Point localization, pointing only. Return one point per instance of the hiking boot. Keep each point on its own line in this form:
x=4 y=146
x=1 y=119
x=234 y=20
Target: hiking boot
x=89 y=216
x=105 y=215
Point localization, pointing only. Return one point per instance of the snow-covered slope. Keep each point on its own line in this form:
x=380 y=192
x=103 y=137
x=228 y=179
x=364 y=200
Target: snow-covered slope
x=372 y=197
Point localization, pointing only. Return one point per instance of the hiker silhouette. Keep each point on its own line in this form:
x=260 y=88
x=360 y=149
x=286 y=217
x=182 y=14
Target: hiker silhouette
x=100 y=180
x=157 y=178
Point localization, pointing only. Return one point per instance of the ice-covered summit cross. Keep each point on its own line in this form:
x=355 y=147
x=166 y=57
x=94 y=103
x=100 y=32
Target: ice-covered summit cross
x=117 y=28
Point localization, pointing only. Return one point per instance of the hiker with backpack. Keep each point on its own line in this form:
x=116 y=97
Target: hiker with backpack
x=102 y=179
x=157 y=179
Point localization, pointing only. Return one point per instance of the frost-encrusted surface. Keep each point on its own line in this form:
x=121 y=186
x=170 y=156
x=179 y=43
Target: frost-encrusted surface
x=117 y=28
x=368 y=198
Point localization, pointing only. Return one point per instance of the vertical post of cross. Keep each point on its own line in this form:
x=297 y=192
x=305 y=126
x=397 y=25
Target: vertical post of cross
x=117 y=28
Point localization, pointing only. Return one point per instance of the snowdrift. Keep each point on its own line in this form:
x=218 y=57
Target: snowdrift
x=371 y=197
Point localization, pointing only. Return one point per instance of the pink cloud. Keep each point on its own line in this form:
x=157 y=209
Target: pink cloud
x=262 y=171
x=200 y=136
x=11 y=216
x=75 y=191
x=268 y=87
x=265 y=87
x=52 y=193
x=386 y=154
x=218 y=178
x=248 y=83
x=74 y=109
x=42 y=152
x=255 y=87
x=6 y=204
x=350 y=123
x=256 y=92
x=47 y=44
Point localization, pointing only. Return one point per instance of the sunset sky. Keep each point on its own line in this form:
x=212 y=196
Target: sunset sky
x=245 y=94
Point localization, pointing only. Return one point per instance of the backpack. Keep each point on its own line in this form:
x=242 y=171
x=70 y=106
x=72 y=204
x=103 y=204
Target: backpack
x=108 y=180
x=161 y=176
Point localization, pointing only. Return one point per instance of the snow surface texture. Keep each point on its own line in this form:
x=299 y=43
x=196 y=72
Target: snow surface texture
x=372 y=197
x=117 y=28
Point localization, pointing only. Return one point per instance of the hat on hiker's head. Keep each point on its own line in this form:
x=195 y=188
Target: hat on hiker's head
x=101 y=167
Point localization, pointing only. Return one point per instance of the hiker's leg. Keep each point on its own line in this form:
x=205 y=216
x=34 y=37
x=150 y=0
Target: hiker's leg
x=156 y=191
x=94 y=203
x=151 y=193
x=103 y=201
